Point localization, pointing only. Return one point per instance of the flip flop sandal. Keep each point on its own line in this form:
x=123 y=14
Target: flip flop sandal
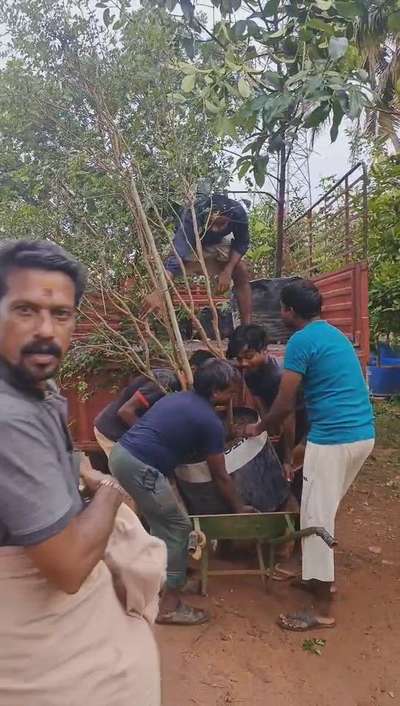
x=183 y=615
x=300 y=622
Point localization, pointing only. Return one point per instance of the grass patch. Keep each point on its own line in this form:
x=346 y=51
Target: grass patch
x=388 y=423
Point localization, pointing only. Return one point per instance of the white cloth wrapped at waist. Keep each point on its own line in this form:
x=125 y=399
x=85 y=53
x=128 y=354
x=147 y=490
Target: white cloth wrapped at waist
x=240 y=453
x=62 y=650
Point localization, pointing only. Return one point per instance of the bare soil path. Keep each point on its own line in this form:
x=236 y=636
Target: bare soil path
x=242 y=658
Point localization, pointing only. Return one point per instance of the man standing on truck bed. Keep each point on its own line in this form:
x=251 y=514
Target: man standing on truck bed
x=224 y=232
x=340 y=438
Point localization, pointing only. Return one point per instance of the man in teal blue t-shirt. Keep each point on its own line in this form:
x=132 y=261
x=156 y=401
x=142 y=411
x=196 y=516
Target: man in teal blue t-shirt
x=340 y=439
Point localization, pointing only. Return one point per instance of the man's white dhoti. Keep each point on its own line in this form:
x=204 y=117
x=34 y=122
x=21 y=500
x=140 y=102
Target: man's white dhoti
x=84 y=649
x=328 y=472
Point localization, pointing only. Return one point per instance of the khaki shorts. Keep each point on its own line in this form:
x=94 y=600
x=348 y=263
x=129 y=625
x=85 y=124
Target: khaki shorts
x=215 y=256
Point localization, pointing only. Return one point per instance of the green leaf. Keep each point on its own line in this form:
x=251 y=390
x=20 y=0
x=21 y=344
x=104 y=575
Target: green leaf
x=316 y=23
x=118 y=25
x=338 y=47
x=225 y=126
x=276 y=142
x=107 y=17
x=273 y=35
x=273 y=79
x=343 y=99
x=171 y=4
x=314 y=646
x=347 y=9
x=296 y=78
x=338 y=114
x=211 y=107
x=187 y=68
x=244 y=168
x=244 y=88
x=317 y=116
x=253 y=30
x=270 y=8
x=188 y=82
x=239 y=28
x=394 y=22
x=260 y=167
x=257 y=103
x=178 y=98
x=323 y=5
x=188 y=44
x=356 y=103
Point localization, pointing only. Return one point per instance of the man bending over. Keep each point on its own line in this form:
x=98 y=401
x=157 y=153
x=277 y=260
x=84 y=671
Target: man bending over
x=340 y=438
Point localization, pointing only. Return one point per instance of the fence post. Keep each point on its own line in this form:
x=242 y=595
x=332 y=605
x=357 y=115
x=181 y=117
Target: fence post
x=347 y=220
x=365 y=209
x=310 y=242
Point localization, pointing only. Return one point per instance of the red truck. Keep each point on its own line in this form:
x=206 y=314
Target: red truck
x=345 y=290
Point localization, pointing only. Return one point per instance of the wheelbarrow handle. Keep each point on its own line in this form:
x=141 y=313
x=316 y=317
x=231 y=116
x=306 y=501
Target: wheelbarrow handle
x=319 y=532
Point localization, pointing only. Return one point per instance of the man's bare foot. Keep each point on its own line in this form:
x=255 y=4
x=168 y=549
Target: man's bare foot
x=300 y=622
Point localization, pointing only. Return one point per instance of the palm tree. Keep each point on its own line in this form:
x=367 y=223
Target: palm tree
x=378 y=35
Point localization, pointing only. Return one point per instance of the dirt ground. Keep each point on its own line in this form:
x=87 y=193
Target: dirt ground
x=242 y=658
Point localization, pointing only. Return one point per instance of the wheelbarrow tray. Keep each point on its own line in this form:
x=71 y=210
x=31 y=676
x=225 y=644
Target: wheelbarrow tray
x=267 y=528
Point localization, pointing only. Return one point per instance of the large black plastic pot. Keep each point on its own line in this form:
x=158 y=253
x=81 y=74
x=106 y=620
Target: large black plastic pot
x=254 y=467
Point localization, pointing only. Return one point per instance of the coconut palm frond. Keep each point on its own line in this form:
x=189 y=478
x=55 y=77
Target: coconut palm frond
x=380 y=50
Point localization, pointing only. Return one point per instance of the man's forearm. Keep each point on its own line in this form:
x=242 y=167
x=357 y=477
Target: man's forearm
x=234 y=258
x=128 y=413
x=68 y=558
x=94 y=527
x=229 y=493
x=275 y=417
x=288 y=437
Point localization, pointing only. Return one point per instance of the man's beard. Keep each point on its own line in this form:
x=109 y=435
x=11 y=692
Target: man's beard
x=22 y=370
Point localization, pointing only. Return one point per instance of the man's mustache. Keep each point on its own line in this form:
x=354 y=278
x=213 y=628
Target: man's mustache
x=42 y=349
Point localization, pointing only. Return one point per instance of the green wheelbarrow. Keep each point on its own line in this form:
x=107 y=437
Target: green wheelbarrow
x=266 y=528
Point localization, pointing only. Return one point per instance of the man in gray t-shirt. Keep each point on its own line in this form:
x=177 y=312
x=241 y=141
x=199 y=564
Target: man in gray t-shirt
x=36 y=502
x=51 y=542
x=40 y=505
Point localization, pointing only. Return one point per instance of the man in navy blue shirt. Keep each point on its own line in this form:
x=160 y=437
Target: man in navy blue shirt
x=177 y=426
x=224 y=232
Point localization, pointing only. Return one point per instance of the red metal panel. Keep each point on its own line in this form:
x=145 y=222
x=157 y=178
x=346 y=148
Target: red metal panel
x=345 y=294
x=82 y=412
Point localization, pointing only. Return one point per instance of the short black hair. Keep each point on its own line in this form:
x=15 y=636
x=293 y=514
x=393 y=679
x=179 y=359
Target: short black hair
x=214 y=375
x=221 y=204
x=40 y=255
x=247 y=336
x=303 y=297
x=199 y=357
